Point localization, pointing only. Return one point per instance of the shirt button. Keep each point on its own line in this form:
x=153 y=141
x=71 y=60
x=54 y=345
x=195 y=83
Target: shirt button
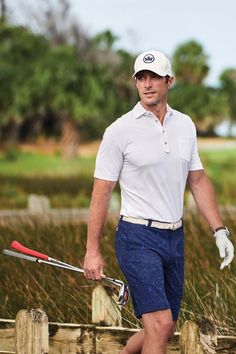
x=165 y=142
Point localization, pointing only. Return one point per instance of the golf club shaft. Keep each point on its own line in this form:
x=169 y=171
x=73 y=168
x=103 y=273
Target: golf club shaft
x=22 y=249
x=38 y=260
x=19 y=255
x=121 y=301
x=19 y=247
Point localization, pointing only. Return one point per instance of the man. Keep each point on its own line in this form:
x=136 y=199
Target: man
x=152 y=151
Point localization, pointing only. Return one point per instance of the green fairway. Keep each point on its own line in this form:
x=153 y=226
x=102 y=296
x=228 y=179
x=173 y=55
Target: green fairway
x=219 y=155
x=220 y=166
x=29 y=164
x=68 y=183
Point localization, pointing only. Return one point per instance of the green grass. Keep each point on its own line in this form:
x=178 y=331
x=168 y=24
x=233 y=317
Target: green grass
x=67 y=192
x=214 y=160
x=35 y=164
x=220 y=166
x=68 y=183
x=66 y=296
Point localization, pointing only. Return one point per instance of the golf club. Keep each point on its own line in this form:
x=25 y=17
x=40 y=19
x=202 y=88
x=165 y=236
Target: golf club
x=38 y=257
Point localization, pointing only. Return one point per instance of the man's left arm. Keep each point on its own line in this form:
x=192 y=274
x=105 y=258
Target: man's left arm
x=204 y=196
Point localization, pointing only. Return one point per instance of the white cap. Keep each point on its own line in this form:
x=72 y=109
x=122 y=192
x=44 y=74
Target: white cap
x=153 y=61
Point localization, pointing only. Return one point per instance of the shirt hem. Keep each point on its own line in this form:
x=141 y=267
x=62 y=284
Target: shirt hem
x=113 y=179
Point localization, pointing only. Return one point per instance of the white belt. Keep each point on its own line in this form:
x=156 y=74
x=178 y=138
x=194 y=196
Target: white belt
x=153 y=223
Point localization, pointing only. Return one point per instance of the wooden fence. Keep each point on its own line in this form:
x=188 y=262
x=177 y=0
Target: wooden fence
x=30 y=333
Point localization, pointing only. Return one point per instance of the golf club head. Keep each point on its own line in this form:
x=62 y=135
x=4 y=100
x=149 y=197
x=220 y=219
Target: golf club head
x=35 y=256
x=123 y=295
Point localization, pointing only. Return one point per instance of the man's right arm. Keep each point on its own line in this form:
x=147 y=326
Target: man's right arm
x=93 y=261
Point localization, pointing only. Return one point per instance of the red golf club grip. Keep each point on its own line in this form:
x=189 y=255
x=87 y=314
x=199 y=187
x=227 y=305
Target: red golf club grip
x=17 y=246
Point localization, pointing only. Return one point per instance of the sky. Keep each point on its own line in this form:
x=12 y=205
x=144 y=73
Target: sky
x=163 y=25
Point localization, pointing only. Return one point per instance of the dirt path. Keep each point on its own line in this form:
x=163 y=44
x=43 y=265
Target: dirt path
x=51 y=146
x=216 y=143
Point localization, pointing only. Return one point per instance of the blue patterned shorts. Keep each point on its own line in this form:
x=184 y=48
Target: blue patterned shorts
x=152 y=260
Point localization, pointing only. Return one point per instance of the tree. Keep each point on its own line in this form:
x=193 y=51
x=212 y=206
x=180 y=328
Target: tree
x=105 y=40
x=228 y=88
x=204 y=104
x=79 y=82
x=2 y=10
x=19 y=52
x=190 y=63
x=53 y=19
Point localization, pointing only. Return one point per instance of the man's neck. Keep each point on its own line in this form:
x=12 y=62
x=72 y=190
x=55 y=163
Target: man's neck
x=159 y=110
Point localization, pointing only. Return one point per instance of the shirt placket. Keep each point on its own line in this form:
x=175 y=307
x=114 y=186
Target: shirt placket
x=165 y=141
x=164 y=136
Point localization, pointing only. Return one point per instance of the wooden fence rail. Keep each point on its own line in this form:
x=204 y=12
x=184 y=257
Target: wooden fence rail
x=30 y=333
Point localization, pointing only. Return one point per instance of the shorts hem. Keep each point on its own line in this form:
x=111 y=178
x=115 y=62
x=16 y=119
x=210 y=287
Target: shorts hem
x=153 y=309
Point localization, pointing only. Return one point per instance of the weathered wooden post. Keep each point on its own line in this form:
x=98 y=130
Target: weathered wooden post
x=38 y=204
x=31 y=332
x=198 y=337
x=105 y=310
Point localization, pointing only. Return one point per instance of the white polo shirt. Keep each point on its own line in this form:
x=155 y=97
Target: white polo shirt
x=151 y=162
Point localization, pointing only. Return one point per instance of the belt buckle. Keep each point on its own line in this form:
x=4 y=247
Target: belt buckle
x=172 y=226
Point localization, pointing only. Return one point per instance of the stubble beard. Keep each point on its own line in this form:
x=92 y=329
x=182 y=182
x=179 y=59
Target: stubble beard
x=152 y=102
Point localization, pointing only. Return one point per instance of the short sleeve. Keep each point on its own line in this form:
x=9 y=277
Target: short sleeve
x=109 y=159
x=195 y=161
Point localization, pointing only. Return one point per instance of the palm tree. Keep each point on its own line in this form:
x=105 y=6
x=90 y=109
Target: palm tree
x=190 y=63
x=3 y=10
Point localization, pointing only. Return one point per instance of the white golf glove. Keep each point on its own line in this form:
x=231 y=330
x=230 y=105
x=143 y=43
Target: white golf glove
x=225 y=246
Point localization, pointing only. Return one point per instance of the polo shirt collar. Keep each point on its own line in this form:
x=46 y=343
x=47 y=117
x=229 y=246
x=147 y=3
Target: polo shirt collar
x=139 y=111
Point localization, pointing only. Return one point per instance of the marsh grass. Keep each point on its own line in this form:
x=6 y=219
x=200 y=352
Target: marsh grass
x=209 y=292
x=66 y=296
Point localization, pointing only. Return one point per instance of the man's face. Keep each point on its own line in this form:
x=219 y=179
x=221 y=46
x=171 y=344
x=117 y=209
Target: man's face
x=152 y=88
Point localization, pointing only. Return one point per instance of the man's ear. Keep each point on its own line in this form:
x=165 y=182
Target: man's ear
x=171 y=81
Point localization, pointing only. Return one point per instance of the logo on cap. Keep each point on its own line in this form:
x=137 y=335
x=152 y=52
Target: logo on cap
x=149 y=58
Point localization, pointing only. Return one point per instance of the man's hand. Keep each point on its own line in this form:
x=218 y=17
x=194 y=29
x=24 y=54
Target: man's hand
x=93 y=265
x=225 y=246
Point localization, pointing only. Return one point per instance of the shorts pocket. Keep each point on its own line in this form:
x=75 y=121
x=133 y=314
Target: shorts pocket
x=185 y=145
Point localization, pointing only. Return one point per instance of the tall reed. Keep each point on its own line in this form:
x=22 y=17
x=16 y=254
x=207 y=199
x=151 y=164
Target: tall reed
x=66 y=296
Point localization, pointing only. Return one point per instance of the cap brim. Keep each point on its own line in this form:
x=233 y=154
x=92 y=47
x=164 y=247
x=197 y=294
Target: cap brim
x=160 y=73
